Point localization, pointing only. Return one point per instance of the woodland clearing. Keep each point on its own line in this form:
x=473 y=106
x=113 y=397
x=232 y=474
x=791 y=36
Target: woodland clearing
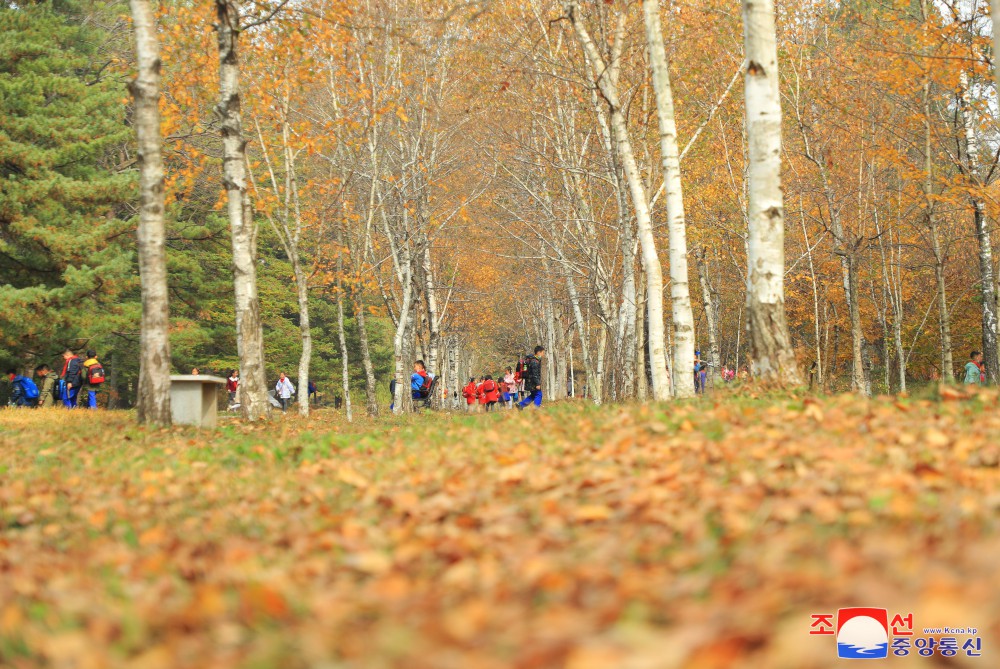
x=695 y=534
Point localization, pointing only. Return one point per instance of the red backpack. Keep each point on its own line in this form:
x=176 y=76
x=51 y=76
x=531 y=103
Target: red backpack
x=95 y=374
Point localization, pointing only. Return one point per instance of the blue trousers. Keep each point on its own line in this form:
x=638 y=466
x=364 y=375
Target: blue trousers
x=535 y=396
x=90 y=399
x=69 y=397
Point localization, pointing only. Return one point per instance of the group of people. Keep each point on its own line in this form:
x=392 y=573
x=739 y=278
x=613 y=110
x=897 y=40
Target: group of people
x=517 y=387
x=284 y=390
x=75 y=385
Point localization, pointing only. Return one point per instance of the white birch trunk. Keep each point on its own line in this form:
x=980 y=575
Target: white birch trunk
x=982 y=226
x=773 y=356
x=153 y=404
x=345 y=365
x=647 y=242
x=254 y=404
x=305 y=333
x=711 y=319
x=680 y=296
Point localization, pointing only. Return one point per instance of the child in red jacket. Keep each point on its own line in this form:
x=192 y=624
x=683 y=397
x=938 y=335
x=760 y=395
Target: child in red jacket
x=490 y=392
x=469 y=393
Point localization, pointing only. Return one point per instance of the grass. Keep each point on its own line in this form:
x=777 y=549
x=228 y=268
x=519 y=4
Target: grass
x=694 y=534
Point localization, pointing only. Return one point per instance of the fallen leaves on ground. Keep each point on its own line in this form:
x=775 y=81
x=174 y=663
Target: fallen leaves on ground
x=696 y=535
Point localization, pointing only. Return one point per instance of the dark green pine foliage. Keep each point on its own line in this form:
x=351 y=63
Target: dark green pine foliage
x=65 y=250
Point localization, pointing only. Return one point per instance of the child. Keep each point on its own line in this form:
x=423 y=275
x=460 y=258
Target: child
x=92 y=378
x=469 y=393
x=490 y=393
x=974 y=369
x=24 y=392
x=49 y=392
x=480 y=395
x=420 y=381
x=511 y=381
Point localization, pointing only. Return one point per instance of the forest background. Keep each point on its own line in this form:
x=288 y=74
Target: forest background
x=443 y=175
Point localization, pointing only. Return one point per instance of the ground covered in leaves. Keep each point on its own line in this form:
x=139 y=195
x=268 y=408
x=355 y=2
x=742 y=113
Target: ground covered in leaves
x=690 y=535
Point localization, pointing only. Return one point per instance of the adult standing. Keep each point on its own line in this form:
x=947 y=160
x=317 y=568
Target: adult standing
x=284 y=390
x=533 y=379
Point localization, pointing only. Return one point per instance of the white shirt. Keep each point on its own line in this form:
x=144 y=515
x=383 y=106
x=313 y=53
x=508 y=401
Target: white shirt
x=284 y=388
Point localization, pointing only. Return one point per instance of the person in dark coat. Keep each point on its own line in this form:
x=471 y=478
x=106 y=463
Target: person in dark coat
x=533 y=379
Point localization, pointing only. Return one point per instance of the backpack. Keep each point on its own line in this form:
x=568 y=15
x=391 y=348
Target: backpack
x=29 y=388
x=95 y=374
x=426 y=385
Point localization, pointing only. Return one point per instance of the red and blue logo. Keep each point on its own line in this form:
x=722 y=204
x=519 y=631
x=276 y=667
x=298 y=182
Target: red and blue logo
x=862 y=633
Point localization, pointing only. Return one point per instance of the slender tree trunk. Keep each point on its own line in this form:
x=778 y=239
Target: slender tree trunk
x=371 y=395
x=154 y=340
x=650 y=259
x=342 y=340
x=859 y=383
x=773 y=356
x=305 y=333
x=249 y=330
x=982 y=226
x=400 y=349
x=680 y=295
x=944 y=323
x=711 y=318
x=815 y=292
x=433 y=318
x=642 y=375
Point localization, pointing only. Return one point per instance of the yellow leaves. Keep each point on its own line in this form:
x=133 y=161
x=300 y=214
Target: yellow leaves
x=555 y=539
x=592 y=512
x=369 y=562
x=346 y=474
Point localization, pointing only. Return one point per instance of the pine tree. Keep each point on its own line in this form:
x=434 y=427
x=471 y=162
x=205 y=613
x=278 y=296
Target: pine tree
x=63 y=257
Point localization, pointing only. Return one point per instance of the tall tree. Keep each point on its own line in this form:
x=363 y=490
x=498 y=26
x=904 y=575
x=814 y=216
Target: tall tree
x=249 y=329
x=154 y=349
x=63 y=224
x=680 y=295
x=773 y=355
x=605 y=72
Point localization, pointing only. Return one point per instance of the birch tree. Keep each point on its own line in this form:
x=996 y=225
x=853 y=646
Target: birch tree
x=623 y=143
x=154 y=342
x=249 y=329
x=680 y=297
x=773 y=356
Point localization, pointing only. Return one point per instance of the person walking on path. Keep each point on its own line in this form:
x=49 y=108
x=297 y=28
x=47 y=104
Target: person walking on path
x=533 y=379
x=974 y=369
x=92 y=378
x=232 y=386
x=469 y=393
x=23 y=391
x=490 y=393
x=511 y=383
x=72 y=376
x=48 y=394
x=284 y=390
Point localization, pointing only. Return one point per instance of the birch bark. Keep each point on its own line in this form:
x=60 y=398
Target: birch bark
x=249 y=330
x=773 y=356
x=680 y=295
x=623 y=143
x=982 y=226
x=154 y=341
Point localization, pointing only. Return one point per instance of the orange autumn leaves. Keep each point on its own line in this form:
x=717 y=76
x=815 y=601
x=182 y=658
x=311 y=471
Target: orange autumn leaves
x=698 y=535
